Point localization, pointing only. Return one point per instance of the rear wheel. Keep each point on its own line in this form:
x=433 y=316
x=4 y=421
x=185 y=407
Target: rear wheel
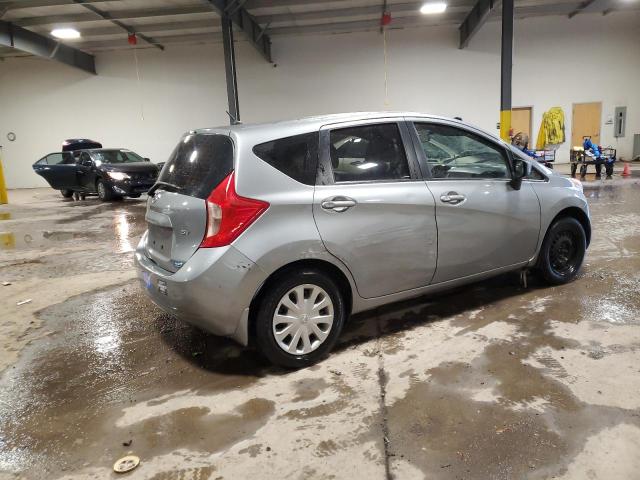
x=562 y=251
x=104 y=191
x=299 y=318
x=67 y=193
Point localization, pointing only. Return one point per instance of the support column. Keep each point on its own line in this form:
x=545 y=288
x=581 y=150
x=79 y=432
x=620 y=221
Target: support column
x=506 y=67
x=230 y=69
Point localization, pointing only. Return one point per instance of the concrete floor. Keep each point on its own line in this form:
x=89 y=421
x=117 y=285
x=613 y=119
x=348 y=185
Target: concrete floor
x=488 y=381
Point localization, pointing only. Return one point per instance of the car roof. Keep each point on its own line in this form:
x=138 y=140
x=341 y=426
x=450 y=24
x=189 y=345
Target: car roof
x=316 y=122
x=261 y=132
x=257 y=132
x=103 y=150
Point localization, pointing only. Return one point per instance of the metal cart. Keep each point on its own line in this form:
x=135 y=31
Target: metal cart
x=578 y=157
x=546 y=157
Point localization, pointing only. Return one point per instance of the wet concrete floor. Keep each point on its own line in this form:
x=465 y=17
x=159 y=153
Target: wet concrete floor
x=488 y=381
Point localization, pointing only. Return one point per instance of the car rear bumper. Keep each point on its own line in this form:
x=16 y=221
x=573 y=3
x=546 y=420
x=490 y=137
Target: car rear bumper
x=212 y=290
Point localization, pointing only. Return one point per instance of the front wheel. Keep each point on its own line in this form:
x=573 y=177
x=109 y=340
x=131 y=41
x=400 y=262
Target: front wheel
x=299 y=318
x=562 y=251
x=104 y=191
x=67 y=193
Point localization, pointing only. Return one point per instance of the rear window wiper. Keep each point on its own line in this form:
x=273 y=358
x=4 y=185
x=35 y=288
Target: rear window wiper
x=160 y=183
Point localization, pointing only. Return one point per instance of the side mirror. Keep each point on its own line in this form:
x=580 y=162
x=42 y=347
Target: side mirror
x=147 y=159
x=521 y=169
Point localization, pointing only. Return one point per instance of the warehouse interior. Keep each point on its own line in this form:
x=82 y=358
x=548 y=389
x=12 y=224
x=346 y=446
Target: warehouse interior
x=502 y=378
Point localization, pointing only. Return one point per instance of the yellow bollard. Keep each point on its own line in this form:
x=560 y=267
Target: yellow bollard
x=7 y=240
x=3 y=186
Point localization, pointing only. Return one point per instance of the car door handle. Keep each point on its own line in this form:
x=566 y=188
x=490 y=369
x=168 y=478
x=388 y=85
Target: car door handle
x=453 y=198
x=338 y=204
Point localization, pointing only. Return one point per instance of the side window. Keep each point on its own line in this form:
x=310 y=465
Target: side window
x=368 y=153
x=536 y=175
x=55 y=158
x=296 y=157
x=68 y=158
x=455 y=153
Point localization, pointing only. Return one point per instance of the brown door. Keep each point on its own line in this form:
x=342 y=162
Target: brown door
x=586 y=122
x=521 y=122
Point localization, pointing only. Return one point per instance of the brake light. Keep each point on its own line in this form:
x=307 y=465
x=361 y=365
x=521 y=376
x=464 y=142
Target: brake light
x=229 y=214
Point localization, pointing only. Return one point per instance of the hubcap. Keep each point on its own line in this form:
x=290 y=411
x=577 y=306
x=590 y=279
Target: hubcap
x=101 y=191
x=563 y=253
x=303 y=319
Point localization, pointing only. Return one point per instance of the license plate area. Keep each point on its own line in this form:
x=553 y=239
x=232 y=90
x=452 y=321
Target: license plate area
x=159 y=245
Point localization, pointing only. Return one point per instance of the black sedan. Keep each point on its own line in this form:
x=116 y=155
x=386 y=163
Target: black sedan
x=110 y=173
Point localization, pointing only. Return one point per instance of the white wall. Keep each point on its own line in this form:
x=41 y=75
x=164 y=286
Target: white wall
x=557 y=62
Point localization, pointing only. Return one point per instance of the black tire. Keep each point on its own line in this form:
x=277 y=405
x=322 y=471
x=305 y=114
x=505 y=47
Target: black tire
x=266 y=309
x=134 y=195
x=562 y=251
x=67 y=193
x=104 y=191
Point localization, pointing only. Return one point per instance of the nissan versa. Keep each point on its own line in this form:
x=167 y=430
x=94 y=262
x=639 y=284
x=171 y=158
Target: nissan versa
x=274 y=234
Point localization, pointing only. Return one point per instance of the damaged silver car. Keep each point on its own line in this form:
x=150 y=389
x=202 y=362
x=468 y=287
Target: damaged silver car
x=274 y=234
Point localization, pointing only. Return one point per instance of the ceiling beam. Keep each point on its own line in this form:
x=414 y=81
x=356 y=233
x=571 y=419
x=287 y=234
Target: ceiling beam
x=602 y=6
x=15 y=4
x=185 y=39
x=474 y=20
x=581 y=7
x=366 y=25
x=214 y=36
x=130 y=30
x=342 y=15
x=160 y=29
x=17 y=37
x=373 y=10
x=116 y=15
x=234 y=10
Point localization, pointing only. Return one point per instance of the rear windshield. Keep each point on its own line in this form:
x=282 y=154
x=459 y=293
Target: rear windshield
x=198 y=164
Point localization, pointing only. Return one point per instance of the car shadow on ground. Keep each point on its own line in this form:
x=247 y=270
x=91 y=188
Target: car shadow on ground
x=223 y=356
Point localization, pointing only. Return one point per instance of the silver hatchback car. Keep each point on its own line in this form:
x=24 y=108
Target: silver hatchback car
x=274 y=234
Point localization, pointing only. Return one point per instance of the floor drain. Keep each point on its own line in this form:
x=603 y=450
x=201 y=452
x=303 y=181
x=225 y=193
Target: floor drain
x=126 y=464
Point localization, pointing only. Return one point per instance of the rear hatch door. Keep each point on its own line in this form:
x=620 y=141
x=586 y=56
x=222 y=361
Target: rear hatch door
x=177 y=209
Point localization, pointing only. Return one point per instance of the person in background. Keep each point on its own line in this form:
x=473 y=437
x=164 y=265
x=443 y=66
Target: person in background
x=595 y=152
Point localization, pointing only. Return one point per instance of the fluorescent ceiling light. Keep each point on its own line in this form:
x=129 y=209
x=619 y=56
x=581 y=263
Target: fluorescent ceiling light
x=65 y=33
x=433 y=7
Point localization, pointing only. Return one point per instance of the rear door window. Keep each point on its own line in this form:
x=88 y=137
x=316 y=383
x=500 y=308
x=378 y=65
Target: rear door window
x=368 y=153
x=296 y=157
x=198 y=164
x=58 y=158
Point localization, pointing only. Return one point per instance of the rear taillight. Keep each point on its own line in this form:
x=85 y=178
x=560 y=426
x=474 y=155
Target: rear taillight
x=229 y=214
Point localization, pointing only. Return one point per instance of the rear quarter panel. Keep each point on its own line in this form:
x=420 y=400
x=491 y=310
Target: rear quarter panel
x=286 y=232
